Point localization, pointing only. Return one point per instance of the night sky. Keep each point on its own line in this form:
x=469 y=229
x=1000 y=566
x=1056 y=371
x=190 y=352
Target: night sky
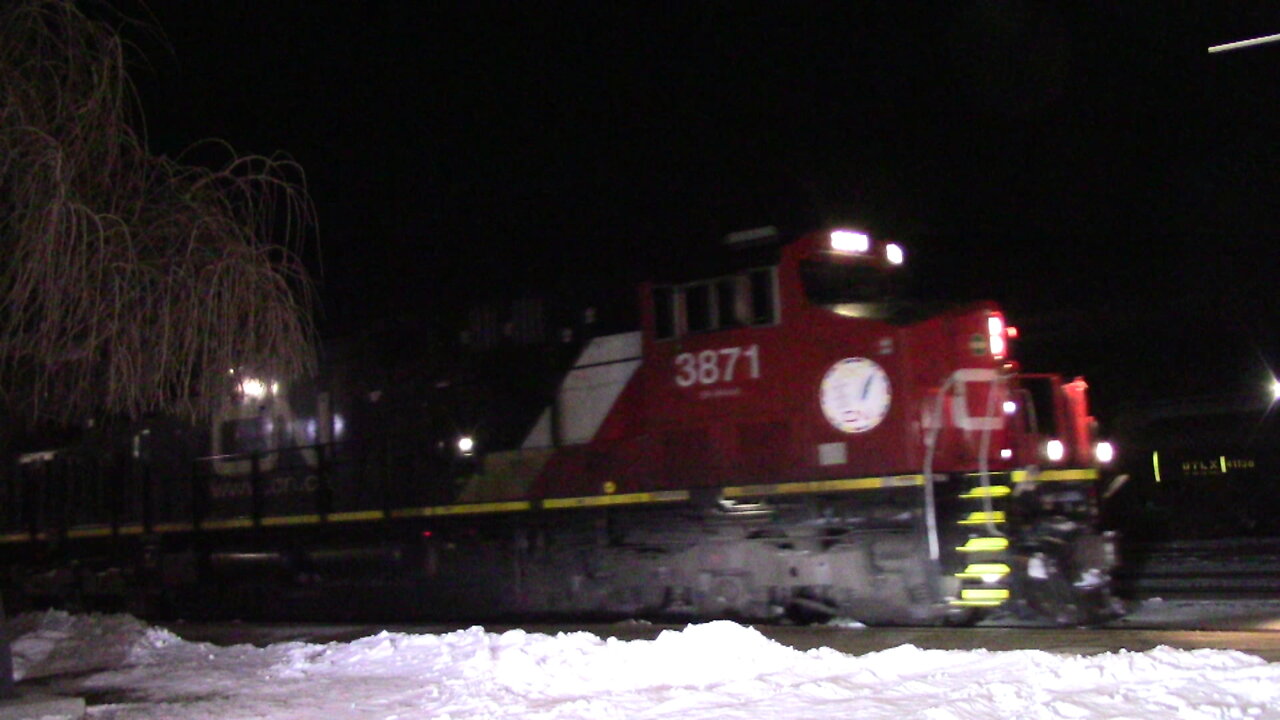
x=1088 y=165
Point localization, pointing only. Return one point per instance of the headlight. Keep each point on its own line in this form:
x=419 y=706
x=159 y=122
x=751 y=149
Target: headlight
x=1054 y=450
x=848 y=241
x=1105 y=452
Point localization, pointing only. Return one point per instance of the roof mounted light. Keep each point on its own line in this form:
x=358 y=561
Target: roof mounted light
x=848 y=241
x=894 y=254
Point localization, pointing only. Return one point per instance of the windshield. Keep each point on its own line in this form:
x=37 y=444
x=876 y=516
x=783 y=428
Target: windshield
x=827 y=283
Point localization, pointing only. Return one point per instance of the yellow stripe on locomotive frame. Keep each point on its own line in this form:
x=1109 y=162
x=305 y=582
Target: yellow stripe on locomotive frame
x=996 y=489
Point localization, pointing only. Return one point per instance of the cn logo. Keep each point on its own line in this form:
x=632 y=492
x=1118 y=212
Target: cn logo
x=855 y=395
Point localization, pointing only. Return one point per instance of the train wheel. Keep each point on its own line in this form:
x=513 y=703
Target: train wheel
x=806 y=610
x=961 y=617
x=726 y=595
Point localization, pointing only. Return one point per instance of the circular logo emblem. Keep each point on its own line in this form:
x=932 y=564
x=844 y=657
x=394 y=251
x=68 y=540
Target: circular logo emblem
x=855 y=395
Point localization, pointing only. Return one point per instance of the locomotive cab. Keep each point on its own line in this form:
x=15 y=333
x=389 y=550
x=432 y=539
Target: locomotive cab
x=849 y=275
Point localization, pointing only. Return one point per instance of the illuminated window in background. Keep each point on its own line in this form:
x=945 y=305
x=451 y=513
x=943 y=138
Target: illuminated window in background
x=248 y=435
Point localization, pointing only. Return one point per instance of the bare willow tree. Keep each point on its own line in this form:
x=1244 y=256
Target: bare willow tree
x=131 y=283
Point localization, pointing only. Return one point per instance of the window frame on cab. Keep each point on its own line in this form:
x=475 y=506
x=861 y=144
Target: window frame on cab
x=754 y=294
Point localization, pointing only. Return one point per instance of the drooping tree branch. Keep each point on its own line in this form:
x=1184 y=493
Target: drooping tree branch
x=131 y=283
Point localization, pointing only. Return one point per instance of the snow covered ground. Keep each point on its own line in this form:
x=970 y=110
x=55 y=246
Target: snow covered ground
x=127 y=669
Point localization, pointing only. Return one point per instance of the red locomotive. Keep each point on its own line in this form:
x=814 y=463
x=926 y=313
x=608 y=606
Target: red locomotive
x=783 y=437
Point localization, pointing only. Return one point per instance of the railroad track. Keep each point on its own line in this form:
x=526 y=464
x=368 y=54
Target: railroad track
x=1228 y=569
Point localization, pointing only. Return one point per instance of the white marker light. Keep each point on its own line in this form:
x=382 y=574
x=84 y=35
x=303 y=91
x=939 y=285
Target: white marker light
x=1105 y=452
x=1006 y=454
x=1055 y=450
x=848 y=241
x=894 y=254
x=1010 y=407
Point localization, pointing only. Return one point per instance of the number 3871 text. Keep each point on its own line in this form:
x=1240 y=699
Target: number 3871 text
x=709 y=367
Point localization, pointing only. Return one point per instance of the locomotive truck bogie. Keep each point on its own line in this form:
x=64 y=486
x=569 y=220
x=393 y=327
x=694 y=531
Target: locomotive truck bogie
x=782 y=439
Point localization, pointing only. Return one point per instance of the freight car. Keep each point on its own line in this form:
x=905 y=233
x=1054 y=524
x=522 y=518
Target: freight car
x=782 y=437
x=1200 y=468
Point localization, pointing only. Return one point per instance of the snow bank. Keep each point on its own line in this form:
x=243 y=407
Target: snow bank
x=716 y=670
x=56 y=642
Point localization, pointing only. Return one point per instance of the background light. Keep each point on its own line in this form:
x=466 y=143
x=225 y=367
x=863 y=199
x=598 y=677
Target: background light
x=466 y=445
x=253 y=388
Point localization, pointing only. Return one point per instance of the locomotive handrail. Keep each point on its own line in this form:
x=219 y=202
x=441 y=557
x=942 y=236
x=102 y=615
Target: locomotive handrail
x=931 y=444
x=984 y=470
x=984 y=462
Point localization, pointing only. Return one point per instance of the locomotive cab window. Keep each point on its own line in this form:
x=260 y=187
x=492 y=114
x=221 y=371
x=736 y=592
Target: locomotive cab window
x=827 y=283
x=1041 y=417
x=664 y=312
x=699 y=308
x=741 y=300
